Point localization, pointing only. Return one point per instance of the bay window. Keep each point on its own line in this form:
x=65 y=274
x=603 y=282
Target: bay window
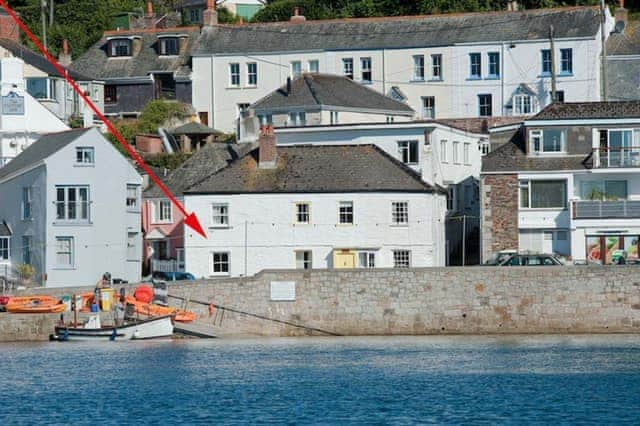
x=543 y=194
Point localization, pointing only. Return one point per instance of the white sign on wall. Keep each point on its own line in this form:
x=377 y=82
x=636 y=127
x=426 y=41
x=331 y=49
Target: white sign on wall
x=283 y=291
x=13 y=104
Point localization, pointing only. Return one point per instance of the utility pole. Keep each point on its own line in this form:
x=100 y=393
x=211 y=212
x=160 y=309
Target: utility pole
x=603 y=59
x=52 y=6
x=43 y=15
x=553 y=64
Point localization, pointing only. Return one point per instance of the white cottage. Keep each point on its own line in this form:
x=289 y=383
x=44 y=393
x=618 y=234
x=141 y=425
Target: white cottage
x=70 y=207
x=339 y=206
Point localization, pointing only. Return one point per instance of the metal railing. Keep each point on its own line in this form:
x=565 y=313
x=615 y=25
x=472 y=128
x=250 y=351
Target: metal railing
x=616 y=157
x=625 y=209
x=169 y=265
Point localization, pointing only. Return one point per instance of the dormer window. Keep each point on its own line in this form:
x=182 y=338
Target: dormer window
x=119 y=47
x=547 y=141
x=168 y=46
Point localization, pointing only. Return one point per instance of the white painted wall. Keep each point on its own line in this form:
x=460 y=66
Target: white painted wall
x=270 y=237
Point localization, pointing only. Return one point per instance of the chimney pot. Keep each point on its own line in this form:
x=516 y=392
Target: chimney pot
x=621 y=15
x=267 y=153
x=149 y=9
x=64 y=58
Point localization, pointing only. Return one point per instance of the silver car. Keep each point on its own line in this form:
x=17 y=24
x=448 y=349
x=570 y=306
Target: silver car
x=531 y=260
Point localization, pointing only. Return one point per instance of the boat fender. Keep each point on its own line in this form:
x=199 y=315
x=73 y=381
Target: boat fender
x=212 y=309
x=113 y=335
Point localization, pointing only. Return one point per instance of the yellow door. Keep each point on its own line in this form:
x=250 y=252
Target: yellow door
x=344 y=259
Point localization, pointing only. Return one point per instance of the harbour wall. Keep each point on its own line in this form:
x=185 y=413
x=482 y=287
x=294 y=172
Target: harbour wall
x=471 y=300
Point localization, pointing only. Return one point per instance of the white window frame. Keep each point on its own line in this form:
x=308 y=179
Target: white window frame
x=313 y=65
x=400 y=213
x=5 y=249
x=159 y=208
x=365 y=68
x=298 y=213
x=220 y=262
x=406 y=149
x=85 y=155
x=456 y=152
x=298 y=118
x=400 y=257
x=296 y=68
x=27 y=244
x=526 y=183
x=418 y=67
x=234 y=74
x=70 y=253
x=78 y=203
x=520 y=104
x=27 y=203
x=485 y=147
x=444 y=158
x=164 y=44
x=345 y=209
x=466 y=151
x=132 y=252
x=132 y=198
x=436 y=67
x=347 y=68
x=538 y=134
x=252 y=75
x=220 y=218
x=369 y=257
x=428 y=111
x=120 y=42
x=304 y=259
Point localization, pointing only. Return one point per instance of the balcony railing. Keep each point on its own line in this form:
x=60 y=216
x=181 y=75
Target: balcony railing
x=170 y=265
x=623 y=209
x=616 y=157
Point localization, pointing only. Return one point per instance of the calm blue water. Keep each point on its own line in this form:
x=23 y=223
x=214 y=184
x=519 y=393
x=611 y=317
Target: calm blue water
x=406 y=380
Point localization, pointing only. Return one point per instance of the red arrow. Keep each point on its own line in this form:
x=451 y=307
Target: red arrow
x=190 y=219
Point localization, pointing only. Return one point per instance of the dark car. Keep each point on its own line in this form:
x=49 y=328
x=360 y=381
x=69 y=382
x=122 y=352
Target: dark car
x=531 y=260
x=173 y=276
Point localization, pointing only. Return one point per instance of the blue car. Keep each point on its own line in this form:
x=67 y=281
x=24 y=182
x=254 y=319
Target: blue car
x=173 y=276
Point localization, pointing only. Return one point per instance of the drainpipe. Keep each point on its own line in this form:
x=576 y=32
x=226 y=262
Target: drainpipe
x=212 y=122
x=502 y=76
x=384 y=77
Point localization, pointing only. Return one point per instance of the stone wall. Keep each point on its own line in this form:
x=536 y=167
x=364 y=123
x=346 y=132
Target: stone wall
x=472 y=300
x=499 y=213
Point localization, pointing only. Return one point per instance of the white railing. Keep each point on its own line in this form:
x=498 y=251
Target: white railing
x=170 y=265
x=625 y=209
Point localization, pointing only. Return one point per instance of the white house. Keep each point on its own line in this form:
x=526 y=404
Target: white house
x=568 y=182
x=455 y=65
x=71 y=209
x=339 y=206
x=22 y=118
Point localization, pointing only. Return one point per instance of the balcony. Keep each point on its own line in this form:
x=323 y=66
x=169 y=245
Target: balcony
x=616 y=157
x=622 y=209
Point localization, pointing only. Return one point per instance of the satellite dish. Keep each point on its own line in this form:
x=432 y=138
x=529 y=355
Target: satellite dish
x=619 y=26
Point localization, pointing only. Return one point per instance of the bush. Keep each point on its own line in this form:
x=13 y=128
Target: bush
x=25 y=271
x=167 y=161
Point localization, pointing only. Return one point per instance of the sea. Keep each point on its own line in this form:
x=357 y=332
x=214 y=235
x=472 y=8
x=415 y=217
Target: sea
x=574 y=379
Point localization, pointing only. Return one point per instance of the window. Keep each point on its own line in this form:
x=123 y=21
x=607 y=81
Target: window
x=220 y=214
x=559 y=95
x=265 y=119
x=475 y=68
x=465 y=153
x=436 y=67
x=85 y=155
x=110 y=94
x=443 y=151
x=303 y=213
x=494 y=64
x=365 y=69
x=314 y=65
x=304 y=259
x=543 y=194
x=27 y=242
x=296 y=68
x=546 y=61
x=234 y=75
x=132 y=197
x=603 y=190
x=345 y=213
x=252 y=74
x=194 y=15
x=366 y=259
x=418 y=67
x=401 y=259
x=132 y=246
x=566 y=61
x=64 y=252
x=347 y=67
x=485 y=106
x=53 y=89
x=120 y=47
x=400 y=213
x=168 y=46
x=485 y=147
x=549 y=140
x=162 y=211
x=37 y=87
x=451 y=197
x=408 y=151
x=428 y=107
x=220 y=263
x=522 y=104
x=334 y=117
x=4 y=248
x=297 y=118
x=27 y=213
x=456 y=153
x=72 y=203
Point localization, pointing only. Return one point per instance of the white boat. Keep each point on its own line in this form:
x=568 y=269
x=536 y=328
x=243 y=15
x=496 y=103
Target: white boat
x=92 y=330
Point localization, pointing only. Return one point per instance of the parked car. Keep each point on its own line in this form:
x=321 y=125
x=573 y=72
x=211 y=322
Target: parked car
x=499 y=257
x=519 y=259
x=173 y=276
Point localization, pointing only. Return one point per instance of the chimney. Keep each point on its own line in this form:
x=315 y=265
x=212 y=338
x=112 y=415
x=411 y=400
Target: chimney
x=210 y=15
x=64 y=58
x=136 y=45
x=267 y=154
x=296 y=18
x=149 y=17
x=621 y=17
x=8 y=27
x=183 y=45
x=288 y=86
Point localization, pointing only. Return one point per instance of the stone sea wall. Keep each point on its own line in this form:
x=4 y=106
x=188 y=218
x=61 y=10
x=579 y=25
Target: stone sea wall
x=473 y=300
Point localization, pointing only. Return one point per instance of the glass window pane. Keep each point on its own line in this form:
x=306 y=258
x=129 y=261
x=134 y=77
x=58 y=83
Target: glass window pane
x=552 y=141
x=616 y=189
x=548 y=194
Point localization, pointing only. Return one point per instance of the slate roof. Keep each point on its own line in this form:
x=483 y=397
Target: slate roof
x=399 y=32
x=626 y=42
x=37 y=60
x=203 y=163
x=479 y=124
x=316 y=90
x=194 y=128
x=96 y=63
x=4 y=229
x=41 y=149
x=589 y=110
x=316 y=169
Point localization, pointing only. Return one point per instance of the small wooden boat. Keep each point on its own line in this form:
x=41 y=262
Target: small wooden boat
x=131 y=330
x=34 y=305
x=151 y=310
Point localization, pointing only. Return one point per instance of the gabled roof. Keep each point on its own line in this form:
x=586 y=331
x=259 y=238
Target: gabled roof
x=316 y=169
x=41 y=149
x=96 y=63
x=399 y=32
x=589 y=110
x=38 y=61
x=5 y=231
x=203 y=163
x=325 y=90
x=194 y=128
